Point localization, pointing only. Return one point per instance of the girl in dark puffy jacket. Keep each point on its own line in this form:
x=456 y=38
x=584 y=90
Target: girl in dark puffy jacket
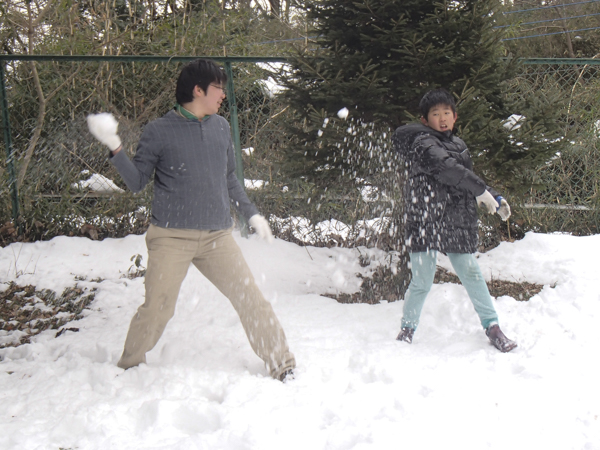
x=441 y=195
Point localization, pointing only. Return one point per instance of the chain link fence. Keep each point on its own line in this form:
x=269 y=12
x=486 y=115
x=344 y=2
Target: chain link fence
x=65 y=184
x=565 y=196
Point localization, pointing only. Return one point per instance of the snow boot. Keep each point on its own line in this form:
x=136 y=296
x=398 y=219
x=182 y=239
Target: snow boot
x=406 y=335
x=498 y=339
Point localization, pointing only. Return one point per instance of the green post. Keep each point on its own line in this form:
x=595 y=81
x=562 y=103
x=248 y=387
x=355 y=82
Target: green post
x=235 y=134
x=10 y=164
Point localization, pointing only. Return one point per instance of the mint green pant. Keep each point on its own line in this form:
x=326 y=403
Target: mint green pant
x=423 y=266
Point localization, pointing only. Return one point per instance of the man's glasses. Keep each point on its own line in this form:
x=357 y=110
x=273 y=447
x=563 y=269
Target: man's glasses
x=218 y=87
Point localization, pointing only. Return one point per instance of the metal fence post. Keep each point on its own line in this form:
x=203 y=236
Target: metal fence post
x=235 y=132
x=12 y=179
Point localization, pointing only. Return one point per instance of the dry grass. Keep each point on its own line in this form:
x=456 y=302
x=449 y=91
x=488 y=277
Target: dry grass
x=522 y=291
x=26 y=311
x=385 y=285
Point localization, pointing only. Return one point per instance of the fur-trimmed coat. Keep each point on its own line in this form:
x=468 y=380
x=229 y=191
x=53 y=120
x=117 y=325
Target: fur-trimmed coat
x=440 y=209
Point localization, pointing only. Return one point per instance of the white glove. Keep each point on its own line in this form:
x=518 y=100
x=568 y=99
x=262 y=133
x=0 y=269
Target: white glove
x=487 y=200
x=104 y=128
x=504 y=209
x=261 y=226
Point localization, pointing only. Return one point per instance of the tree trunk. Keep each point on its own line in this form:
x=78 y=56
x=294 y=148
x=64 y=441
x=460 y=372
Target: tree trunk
x=38 y=127
x=275 y=7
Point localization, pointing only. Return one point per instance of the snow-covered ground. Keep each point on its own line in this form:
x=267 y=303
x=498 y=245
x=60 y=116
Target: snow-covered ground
x=356 y=387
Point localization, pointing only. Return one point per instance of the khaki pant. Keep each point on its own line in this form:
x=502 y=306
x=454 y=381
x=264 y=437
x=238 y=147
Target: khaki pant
x=220 y=260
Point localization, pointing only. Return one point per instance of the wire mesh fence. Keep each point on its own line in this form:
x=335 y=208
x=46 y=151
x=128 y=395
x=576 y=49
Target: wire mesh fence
x=67 y=186
x=62 y=175
x=565 y=194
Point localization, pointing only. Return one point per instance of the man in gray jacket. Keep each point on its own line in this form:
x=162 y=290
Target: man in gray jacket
x=190 y=152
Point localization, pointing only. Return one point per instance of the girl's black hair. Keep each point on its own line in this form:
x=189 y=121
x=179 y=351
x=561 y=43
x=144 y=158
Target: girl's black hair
x=200 y=72
x=436 y=97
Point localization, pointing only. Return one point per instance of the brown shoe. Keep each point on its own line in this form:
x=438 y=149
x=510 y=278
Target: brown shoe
x=286 y=376
x=498 y=339
x=406 y=335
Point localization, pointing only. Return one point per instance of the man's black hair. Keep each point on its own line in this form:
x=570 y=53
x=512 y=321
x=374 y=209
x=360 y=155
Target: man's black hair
x=436 y=97
x=200 y=72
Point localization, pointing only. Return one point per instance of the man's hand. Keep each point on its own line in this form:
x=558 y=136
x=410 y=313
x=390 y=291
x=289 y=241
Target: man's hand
x=504 y=209
x=104 y=128
x=487 y=200
x=262 y=228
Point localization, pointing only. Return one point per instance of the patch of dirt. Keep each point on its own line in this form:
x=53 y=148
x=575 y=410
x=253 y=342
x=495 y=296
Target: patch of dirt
x=26 y=311
x=385 y=285
x=522 y=291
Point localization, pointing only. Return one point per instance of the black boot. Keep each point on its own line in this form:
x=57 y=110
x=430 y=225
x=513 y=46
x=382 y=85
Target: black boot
x=498 y=339
x=406 y=335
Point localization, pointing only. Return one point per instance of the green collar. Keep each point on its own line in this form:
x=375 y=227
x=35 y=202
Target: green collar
x=185 y=113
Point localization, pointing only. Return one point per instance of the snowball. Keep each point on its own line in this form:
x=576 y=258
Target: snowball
x=102 y=123
x=513 y=122
x=343 y=113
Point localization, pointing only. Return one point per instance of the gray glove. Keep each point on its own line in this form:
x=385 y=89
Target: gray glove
x=487 y=200
x=104 y=128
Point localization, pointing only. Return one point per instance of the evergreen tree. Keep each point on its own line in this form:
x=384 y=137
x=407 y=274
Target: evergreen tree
x=378 y=57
